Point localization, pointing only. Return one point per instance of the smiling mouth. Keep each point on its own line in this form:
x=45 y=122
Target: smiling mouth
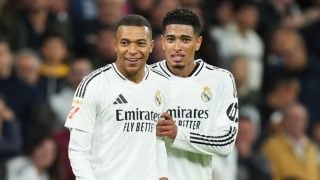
x=133 y=59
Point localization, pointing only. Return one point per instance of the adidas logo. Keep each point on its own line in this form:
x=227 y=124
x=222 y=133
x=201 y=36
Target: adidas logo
x=120 y=100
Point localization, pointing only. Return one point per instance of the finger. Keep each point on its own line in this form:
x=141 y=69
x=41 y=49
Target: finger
x=166 y=115
x=165 y=123
x=164 y=128
x=161 y=123
x=163 y=133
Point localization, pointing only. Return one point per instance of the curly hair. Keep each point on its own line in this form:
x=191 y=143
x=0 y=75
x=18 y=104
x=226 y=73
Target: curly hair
x=182 y=16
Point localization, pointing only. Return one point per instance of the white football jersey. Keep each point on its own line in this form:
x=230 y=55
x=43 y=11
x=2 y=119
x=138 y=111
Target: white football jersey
x=122 y=116
x=205 y=108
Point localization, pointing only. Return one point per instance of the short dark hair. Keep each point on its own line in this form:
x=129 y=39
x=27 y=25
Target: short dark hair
x=134 y=20
x=182 y=16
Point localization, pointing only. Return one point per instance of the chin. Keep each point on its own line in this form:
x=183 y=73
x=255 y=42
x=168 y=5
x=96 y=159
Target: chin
x=178 y=66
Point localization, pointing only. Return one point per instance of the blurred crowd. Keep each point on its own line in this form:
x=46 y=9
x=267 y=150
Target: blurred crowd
x=272 y=47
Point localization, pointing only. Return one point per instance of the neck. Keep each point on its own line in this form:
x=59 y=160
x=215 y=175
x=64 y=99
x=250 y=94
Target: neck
x=135 y=77
x=184 y=71
x=295 y=137
x=38 y=13
x=242 y=29
x=52 y=62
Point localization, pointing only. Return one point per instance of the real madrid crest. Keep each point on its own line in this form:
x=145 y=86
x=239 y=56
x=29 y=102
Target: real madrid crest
x=206 y=94
x=158 y=98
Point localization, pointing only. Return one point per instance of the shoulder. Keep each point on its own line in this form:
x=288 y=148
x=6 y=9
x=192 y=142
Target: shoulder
x=159 y=74
x=156 y=72
x=216 y=71
x=19 y=162
x=160 y=66
x=92 y=81
x=157 y=64
x=94 y=75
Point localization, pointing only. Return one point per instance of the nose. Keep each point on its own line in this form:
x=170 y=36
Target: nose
x=132 y=48
x=177 y=45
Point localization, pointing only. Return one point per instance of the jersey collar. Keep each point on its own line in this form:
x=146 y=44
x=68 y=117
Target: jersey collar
x=114 y=67
x=199 y=65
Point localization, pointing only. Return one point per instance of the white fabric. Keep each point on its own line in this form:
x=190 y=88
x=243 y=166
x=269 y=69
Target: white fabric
x=199 y=105
x=232 y=43
x=120 y=117
x=22 y=168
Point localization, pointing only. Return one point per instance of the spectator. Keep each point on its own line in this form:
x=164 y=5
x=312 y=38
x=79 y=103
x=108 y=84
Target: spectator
x=41 y=162
x=157 y=53
x=238 y=66
x=27 y=26
x=316 y=139
x=208 y=50
x=289 y=53
x=160 y=10
x=291 y=153
x=251 y=164
x=54 y=70
x=99 y=13
x=10 y=135
x=27 y=68
x=103 y=53
x=61 y=101
x=282 y=90
x=241 y=36
x=142 y=7
x=287 y=13
x=20 y=97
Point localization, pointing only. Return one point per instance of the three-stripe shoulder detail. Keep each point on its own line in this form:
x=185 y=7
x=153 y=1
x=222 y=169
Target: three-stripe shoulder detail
x=211 y=67
x=232 y=79
x=164 y=69
x=159 y=73
x=154 y=65
x=81 y=90
x=198 y=70
x=222 y=140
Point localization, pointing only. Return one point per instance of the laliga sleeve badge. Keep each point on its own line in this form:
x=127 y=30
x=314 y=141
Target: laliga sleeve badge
x=75 y=107
x=158 y=98
x=206 y=94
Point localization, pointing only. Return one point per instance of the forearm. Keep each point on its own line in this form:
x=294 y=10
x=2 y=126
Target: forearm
x=220 y=142
x=79 y=148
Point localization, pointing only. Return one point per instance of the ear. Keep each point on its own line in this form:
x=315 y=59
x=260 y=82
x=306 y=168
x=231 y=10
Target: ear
x=152 y=46
x=198 y=43
x=162 y=42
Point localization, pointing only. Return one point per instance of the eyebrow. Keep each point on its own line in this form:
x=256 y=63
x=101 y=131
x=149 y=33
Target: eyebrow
x=135 y=40
x=182 y=36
